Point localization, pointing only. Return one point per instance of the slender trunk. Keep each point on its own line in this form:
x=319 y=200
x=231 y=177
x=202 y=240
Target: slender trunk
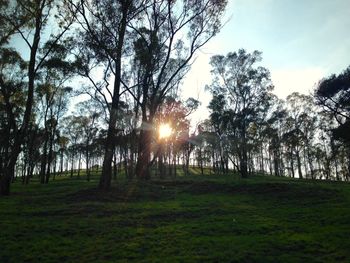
x=27 y=175
x=312 y=171
x=30 y=172
x=299 y=164
x=169 y=161
x=6 y=180
x=337 y=177
x=270 y=162
x=213 y=160
x=55 y=168
x=79 y=164
x=24 y=169
x=262 y=159
x=49 y=159
x=43 y=163
x=292 y=162
x=115 y=165
x=144 y=156
x=72 y=161
x=201 y=160
x=106 y=176
x=174 y=163
x=87 y=161
x=187 y=168
x=67 y=164
x=131 y=166
x=275 y=162
x=128 y=165
x=8 y=170
x=244 y=159
x=160 y=161
x=61 y=170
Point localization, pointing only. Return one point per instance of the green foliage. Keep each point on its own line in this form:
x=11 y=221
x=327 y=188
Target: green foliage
x=333 y=95
x=190 y=219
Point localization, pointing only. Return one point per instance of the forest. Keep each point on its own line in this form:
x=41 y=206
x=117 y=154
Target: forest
x=129 y=59
x=100 y=152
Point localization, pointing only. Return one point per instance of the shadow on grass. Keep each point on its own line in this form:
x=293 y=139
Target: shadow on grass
x=135 y=191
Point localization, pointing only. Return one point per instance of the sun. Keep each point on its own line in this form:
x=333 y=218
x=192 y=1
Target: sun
x=164 y=130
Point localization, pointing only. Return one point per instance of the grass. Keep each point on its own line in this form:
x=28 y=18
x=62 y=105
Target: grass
x=188 y=219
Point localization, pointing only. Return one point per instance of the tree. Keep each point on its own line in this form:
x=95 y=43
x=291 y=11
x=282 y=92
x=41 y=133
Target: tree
x=88 y=120
x=103 y=35
x=333 y=95
x=173 y=113
x=168 y=35
x=28 y=20
x=243 y=91
x=52 y=98
x=219 y=118
x=12 y=106
x=299 y=121
x=274 y=131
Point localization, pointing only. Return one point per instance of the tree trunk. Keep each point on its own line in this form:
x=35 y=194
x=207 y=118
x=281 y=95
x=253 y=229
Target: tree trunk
x=55 y=168
x=276 y=163
x=87 y=161
x=43 y=163
x=144 y=156
x=115 y=165
x=201 y=160
x=8 y=170
x=49 y=159
x=61 y=168
x=5 y=180
x=299 y=165
x=244 y=163
x=79 y=164
x=292 y=163
x=175 y=165
x=72 y=162
x=187 y=168
x=106 y=176
x=262 y=169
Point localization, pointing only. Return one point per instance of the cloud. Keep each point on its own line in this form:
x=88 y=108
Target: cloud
x=303 y=80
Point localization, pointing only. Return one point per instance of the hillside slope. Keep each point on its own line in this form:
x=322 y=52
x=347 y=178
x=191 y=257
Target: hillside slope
x=190 y=219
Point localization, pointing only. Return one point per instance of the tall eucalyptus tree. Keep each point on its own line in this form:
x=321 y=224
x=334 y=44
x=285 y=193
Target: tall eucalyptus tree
x=243 y=90
x=26 y=20
x=167 y=38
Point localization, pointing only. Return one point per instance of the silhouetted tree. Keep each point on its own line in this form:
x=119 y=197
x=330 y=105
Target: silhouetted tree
x=333 y=95
x=28 y=20
x=243 y=90
x=167 y=37
x=102 y=43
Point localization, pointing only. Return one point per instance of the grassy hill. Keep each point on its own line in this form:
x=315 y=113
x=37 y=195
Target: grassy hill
x=190 y=219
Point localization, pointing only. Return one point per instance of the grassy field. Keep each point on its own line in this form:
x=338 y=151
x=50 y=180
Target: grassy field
x=190 y=219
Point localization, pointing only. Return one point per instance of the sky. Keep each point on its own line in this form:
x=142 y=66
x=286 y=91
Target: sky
x=302 y=41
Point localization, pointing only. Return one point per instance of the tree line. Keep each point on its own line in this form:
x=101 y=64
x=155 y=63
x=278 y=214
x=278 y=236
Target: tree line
x=127 y=53
x=304 y=136
x=127 y=60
